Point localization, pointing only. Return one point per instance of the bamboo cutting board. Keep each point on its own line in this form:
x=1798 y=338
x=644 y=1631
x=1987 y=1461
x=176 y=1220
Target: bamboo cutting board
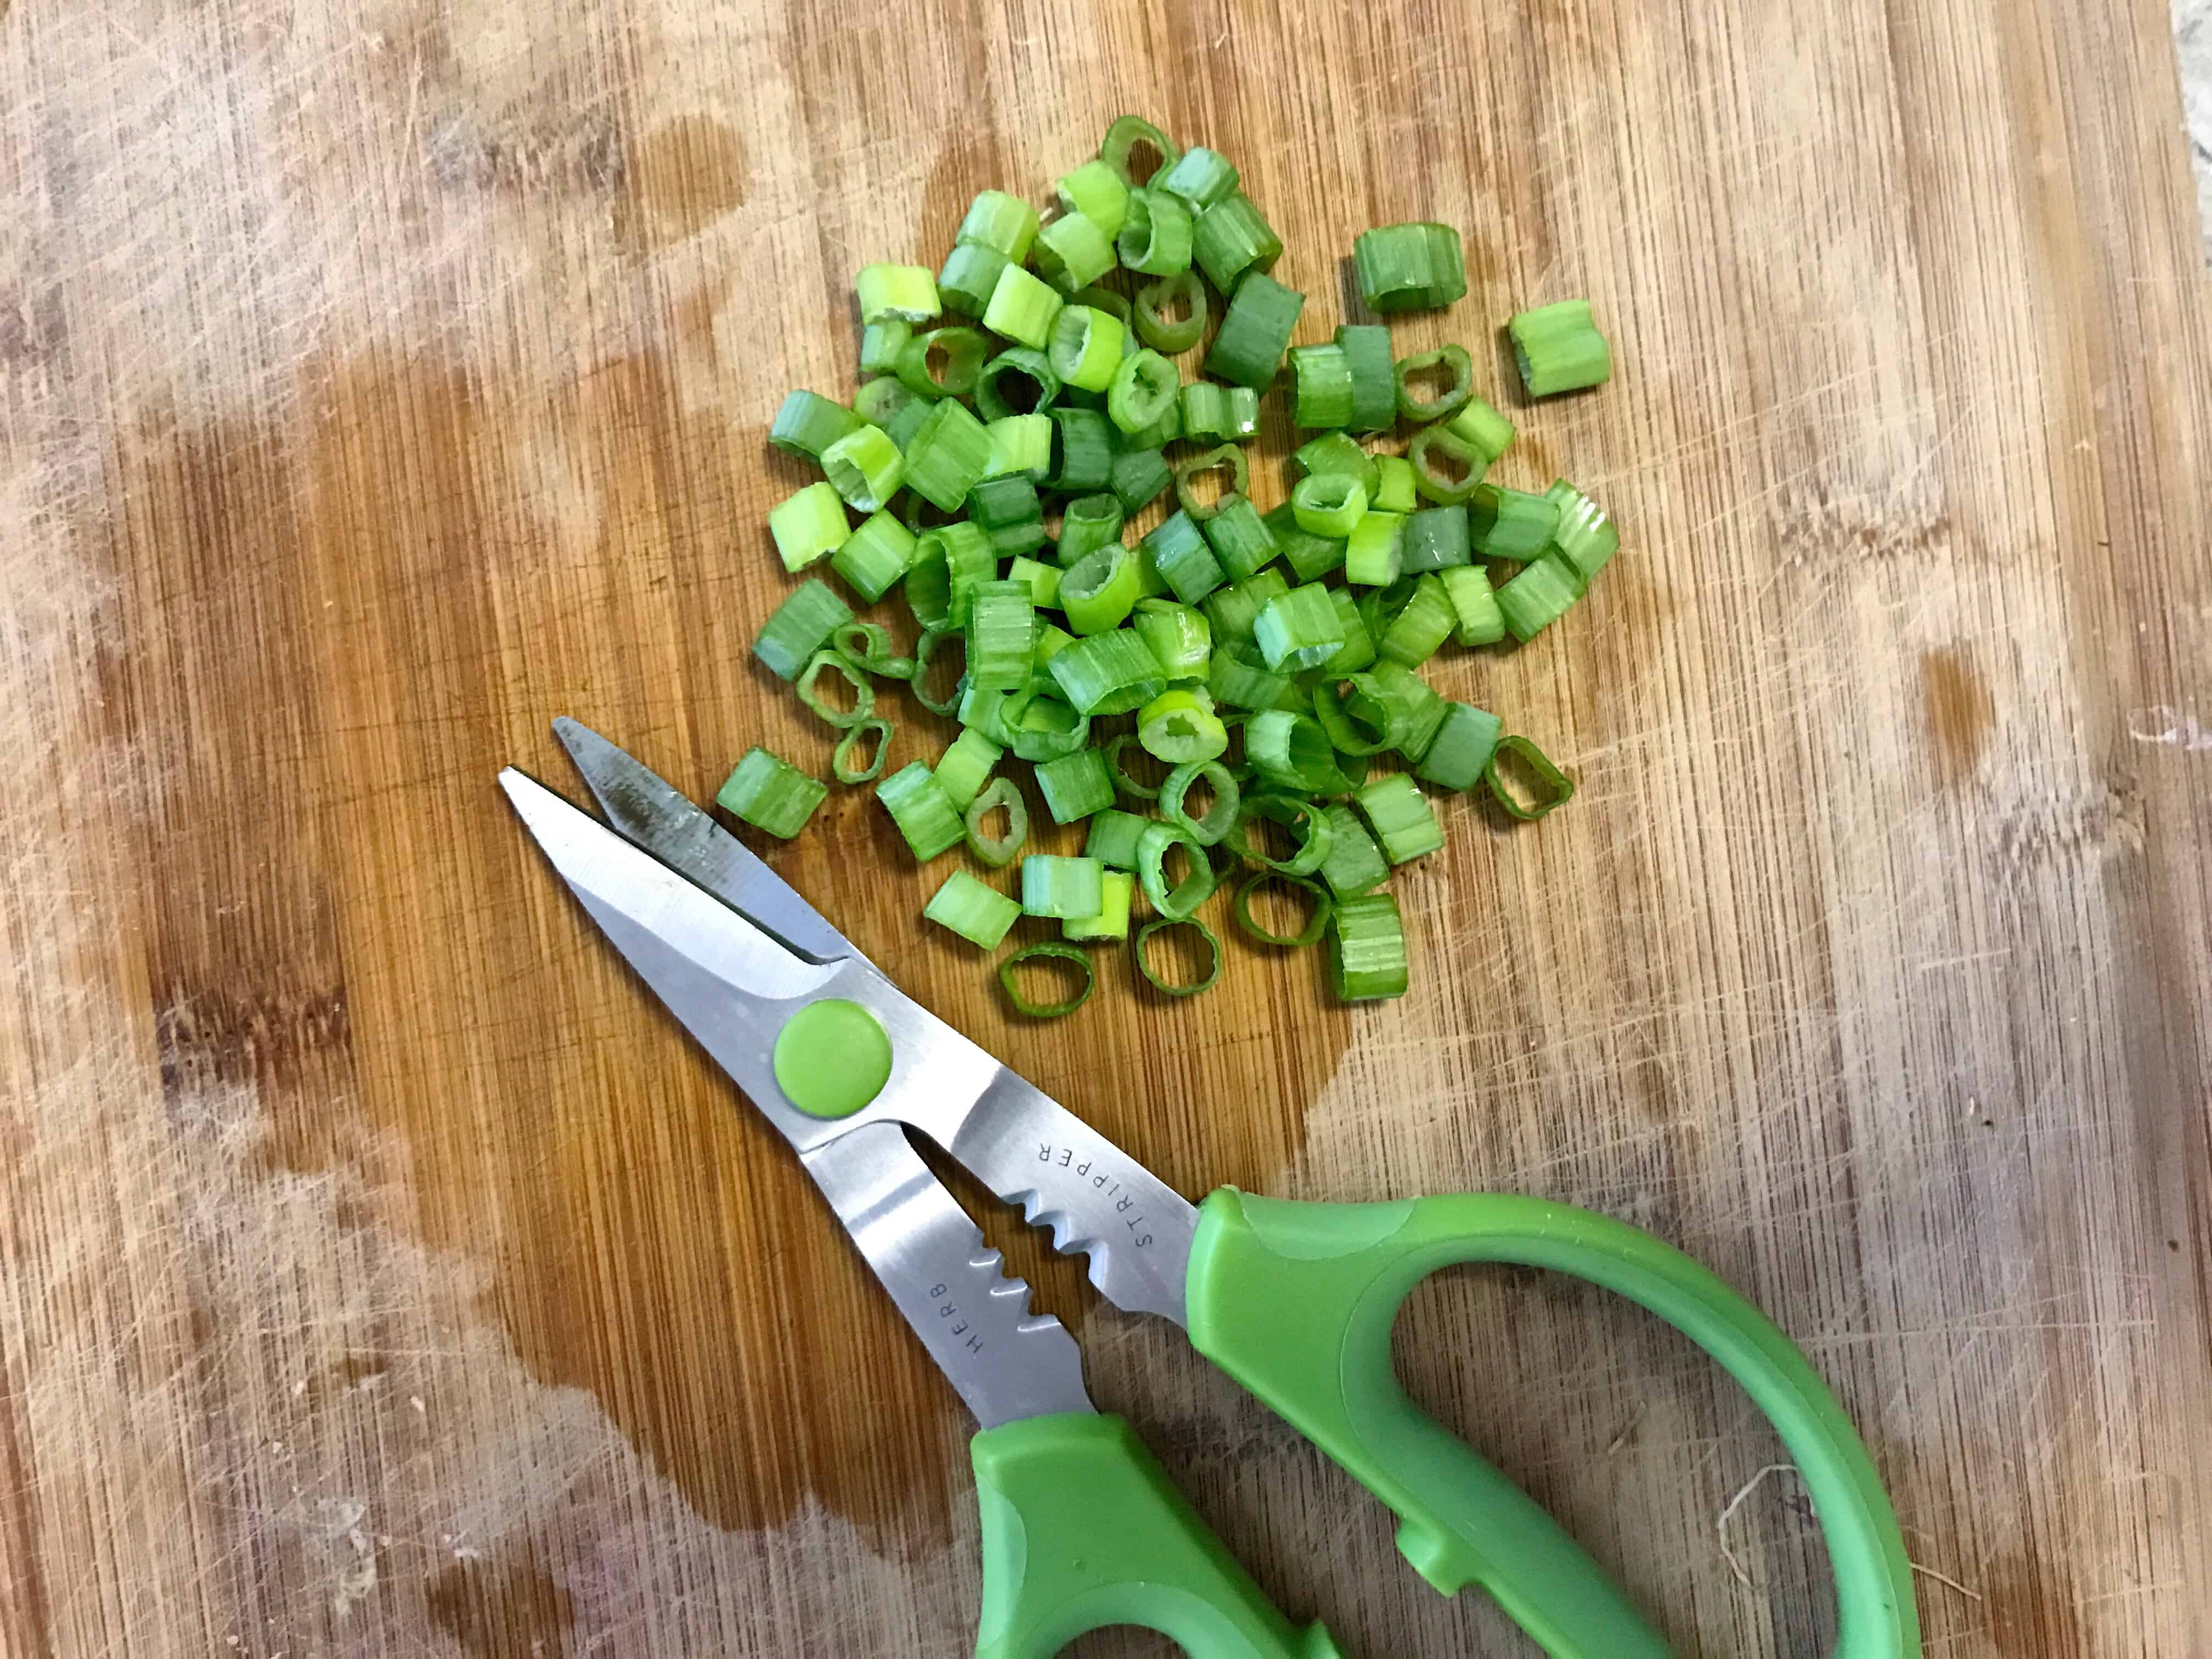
x=381 y=1273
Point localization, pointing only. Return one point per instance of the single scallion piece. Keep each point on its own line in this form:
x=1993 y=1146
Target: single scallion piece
x=1476 y=618
x=810 y=524
x=924 y=657
x=1231 y=238
x=1047 y=728
x=1446 y=467
x=1048 y=951
x=1042 y=580
x=1022 y=308
x=1206 y=982
x=1586 y=538
x=1237 y=677
x=1304 y=819
x=1010 y=499
x=965 y=765
x=1157 y=324
x=1551 y=787
x=906 y=291
x=1393 y=491
x=1409 y=267
x=1072 y=252
x=1223 y=458
x=1510 y=524
x=1405 y=825
x=1082 y=450
x=1239 y=537
x=1482 y=427
x=1420 y=629
x=845 y=763
x=875 y=556
x=1542 y=594
x=807 y=423
x=970 y=562
x=1358 y=644
x=1020 y=444
x=1177 y=549
x=1001 y=636
x=1157 y=235
x=1371 y=551
x=1098 y=191
x=943 y=363
x=863 y=690
x=1125 y=781
x=1329 y=505
x=1060 y=887
x=1437 y=538
x=919 y=810
x=1204 y=410
x=1098 y=592
x=1366 y=348
x=1086 y=349
x=1114 y=304
x=1144 y=389
x=1299 y=629
x=1338 y=452
x=1354 y=863
x=1112 y=838
x=867 y=647
x=1161 y=433
x=905 y=422
x=1418 y=708
x=1116 y=889
x=1075 y=786
x=1051 y=640
x=770 y=793
x=1411 y=375
x=1318 y=902
x=1198 y=178
x=1019 y=380
x=1255 y=331
x=1180 y=727
x=972 y=909
x=800 y=627
x=1107 y=673
x=1358 y=719
x=1123 y=139
x=1559 y=349
x=1235 y=611
x=947 y=456
x=1291 y=751
x=1178 y=636
x=881 y=344
x=1088 y=524
x=1157 y=844
x=1309 y=555
x=1000 y=221
x=969 y=276
x=880 y=401
x=1367 y=948
x=1322 y=376
x=1461 y=750
x=998 y=795
x=1217 y=820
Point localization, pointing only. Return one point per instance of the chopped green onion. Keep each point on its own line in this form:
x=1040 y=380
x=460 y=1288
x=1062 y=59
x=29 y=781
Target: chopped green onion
x=1358 y=644
x=947 y=455
x=1304 y=819
x=1156 y=328
x=867 y=647
x=1557 y=789
x=1477 y=619
x=1116 y=889
x=1125 y=781
x=1462 y=748
x=944 y=362
x=1239 y=676
x=1098 y=191
x=1198 y=178
x=863 y=690
x=1020 y=443
x=1321 y=905
x=906 y=420
x=1061 y=887
x=1107 y=673
x=1410 y=267
x=1420 y=627
x=1180 y=728
x=1082 y=450
x=927 y=588
x=999 y=221
x=1073 y=252
x=770 y=793
x=1152 y=929
x=1019 y=380
x=1022 y=308
x=807 y=423
x=1138 y=478
x=1153 y=848
x=875 y=556
x=844 y=762
x=1328 y=504
x=882 y=400
x=1219 y=817
x=1178 y=552
x=1086 y=349
x=1112 y=838
x=809 y=523
x=1416 y=707
x=906 y=291
x=1354 y=863
x=1075 y=786
x=1043 y=581
x=1338 y=451
x=1299 y=629
x=1047 y=728
x=1122 y=140
x=1204 y=408
x=991 y=713
x=1161 y=433
x=1115 y=305
x=1231 y=238
x=1366 y=348
x=1359 y=719
x=964 y=765
x=972 y=909
x=1239 y=537
x=1539 y=596
x=1225 y=458
x=1235 y=611
x=998 y=795
x=1098 y=592
x=881 y=344
x=1436 y=540
x=1405 y=824
x=918 y=806
x=1367 y=948
x=1446 y=468
x=800 y=627
x=1050 y=642
x=1559 y=349
x=1292 y=751
x=1255 y=331
x=1586 y=537
x=1322 y=375
x=1393 y=491
x=969 y=276
x=1482 y=428
x=1001 y=636
x=925 y=654
x=1088 y=524
x=1180 y=638
x=1144 y=389
x=1049 y=950
x=1371 y=552
x=1510 y=524
x=1413 y=404
x=1310 y=557
x=970 y=562
x=1157 y=235
x=1010 y=499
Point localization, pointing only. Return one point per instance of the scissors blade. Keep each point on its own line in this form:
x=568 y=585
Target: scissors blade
x=657 y=817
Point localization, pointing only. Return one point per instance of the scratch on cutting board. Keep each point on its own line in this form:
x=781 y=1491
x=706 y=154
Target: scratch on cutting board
x=2174 y=728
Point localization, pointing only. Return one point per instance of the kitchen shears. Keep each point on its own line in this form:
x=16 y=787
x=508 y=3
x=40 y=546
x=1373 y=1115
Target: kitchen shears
x=1081 y=1527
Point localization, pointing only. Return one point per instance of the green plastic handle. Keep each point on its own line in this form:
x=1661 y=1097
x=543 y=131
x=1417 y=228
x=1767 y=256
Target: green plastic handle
x=1082 y=1528
x=1296 y=1302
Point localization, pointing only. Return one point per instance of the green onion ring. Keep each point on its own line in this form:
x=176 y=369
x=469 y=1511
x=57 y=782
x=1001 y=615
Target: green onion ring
x=1058 y=952
x=1309 y=934
x=925 y=652
x=864 y=691
x=1143 y=961
x=841 y=759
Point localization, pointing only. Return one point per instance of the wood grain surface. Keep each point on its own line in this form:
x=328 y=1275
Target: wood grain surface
x=381 y=1273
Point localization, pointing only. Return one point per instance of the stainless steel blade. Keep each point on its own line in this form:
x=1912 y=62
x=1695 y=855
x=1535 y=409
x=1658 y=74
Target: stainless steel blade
x=1006 y=1361
x=659 y=817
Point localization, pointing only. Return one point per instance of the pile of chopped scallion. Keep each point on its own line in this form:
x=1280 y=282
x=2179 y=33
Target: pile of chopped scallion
x=1219 y=643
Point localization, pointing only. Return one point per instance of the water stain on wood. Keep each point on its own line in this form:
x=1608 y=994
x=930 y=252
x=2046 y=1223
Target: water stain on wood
x=681 y=178
x=502 y=1610
x=1960 y=711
